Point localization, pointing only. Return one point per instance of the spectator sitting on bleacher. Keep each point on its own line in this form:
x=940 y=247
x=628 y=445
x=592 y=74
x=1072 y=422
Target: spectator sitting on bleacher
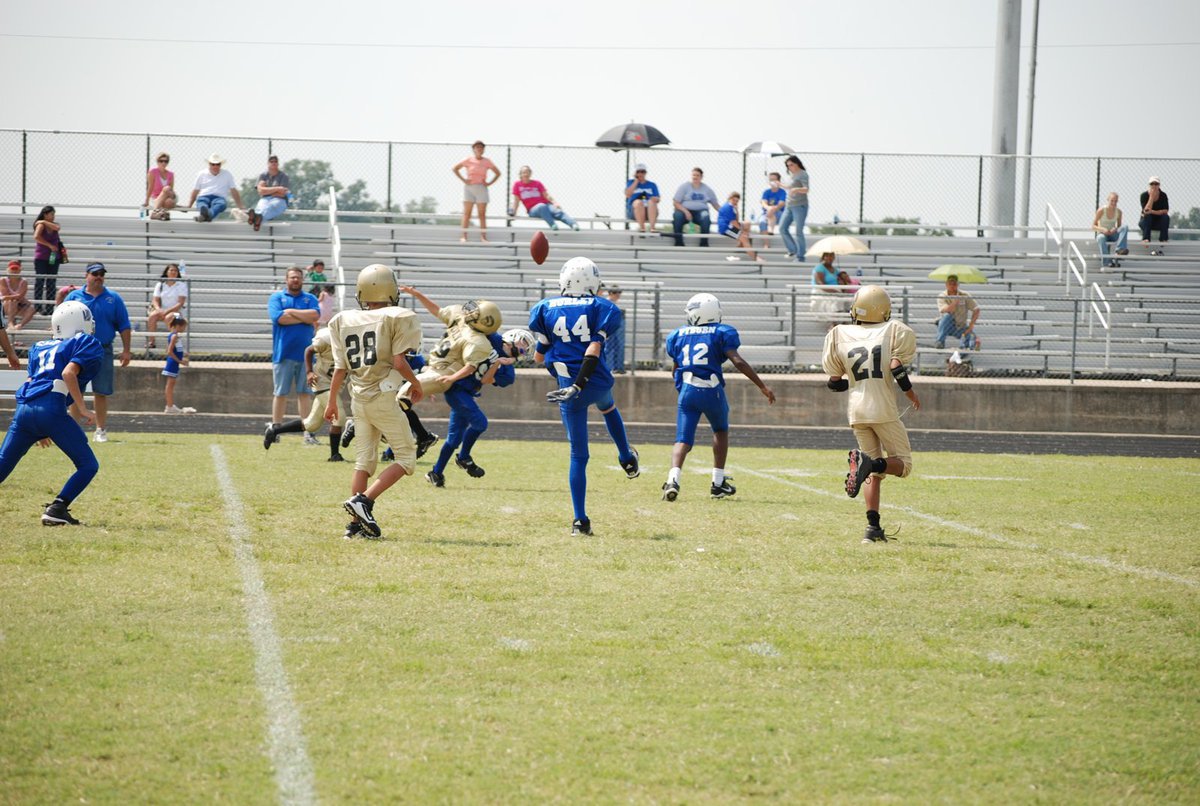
x=532 y=193
x=1156 y=215
x=167 y=301
x=316 y=276
x=160 y=189
x=692 y=200
x=955 y=305
x=729 y=226
x=826 y=299
x=641 y=199
x=273 y=194
x=6 y=345
x=14 y=297
x=213 y=185
x=773 y=200
x=1109 y=227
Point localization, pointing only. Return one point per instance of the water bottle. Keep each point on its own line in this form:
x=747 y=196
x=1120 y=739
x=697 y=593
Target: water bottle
x=141 y=212
x=691 y=228
x=182 y=269
x=290 y=197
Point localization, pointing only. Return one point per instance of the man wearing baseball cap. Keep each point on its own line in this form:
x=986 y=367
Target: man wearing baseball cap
x=111 y=317
x=213 y=185
x=1156 y=215
x=641 y=199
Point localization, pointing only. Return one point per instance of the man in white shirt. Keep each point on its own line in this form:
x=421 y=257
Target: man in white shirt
x=212 y=187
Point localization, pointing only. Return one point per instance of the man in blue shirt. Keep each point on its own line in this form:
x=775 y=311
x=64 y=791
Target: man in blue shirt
x=698 y=350
x=58 y=370
x=111 y=317
x=641 y=199
x=570 y=331
x=294 y=313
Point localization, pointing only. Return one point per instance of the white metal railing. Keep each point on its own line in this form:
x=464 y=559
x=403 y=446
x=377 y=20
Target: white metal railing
x=1104 y=317
x=335 y=248
x=1057 y=234
x=1076 y=265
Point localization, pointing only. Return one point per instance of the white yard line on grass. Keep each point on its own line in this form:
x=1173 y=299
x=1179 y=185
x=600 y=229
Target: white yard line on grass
x=293 y=770
x=1102 y=562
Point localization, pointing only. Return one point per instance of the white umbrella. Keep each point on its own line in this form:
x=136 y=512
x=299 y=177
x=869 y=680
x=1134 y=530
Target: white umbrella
x=773 y=148
x=839 y=245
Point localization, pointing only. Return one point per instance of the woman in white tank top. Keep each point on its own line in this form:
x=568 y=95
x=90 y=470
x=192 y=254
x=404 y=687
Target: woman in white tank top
x=1109 y=226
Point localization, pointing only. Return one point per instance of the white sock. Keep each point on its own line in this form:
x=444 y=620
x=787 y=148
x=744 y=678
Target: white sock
x=718 y=475
x=673 y=476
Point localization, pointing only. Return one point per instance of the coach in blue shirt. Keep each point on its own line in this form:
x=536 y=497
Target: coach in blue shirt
x=294 y=313
x=108 y=310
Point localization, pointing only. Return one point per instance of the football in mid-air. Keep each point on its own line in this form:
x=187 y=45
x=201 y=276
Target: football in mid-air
x=539 y=247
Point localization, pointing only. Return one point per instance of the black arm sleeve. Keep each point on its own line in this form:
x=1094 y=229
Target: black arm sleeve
x=901 y=376
x=590 y=362
x=840 y=385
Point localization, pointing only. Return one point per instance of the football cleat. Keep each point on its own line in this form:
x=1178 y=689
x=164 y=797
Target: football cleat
x=723 y=490
x=311 y=439
x=101 y=435
x=670 y=491
x=435 y=478
x=56 y=514
x=353 y=529
x=388 y=455
x=268 y=437
x=860 y=469
x=360 y=508
x=468 y=464
x=425 y=443
x=337 y=457
x=874 y=535
x=348 y=434
x=631 y=467
x=581 y=526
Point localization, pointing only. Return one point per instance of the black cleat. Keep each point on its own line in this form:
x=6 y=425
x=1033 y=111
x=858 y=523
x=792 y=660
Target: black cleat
x=722 y=490
x=353 y=529
x=874 y=535
x=56 y=514
x=631 y=468
x=468 y=464
x=360 y=508
x=425 y=443
x=860 y=469
x=670 y=491
x=269 y=437
x=388 y=455
x=435 y=478
x=337 y=457
x=582 y=527
x=348 y=434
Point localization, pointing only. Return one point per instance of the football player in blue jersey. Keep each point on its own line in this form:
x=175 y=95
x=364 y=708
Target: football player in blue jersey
x=59 y=368
x=467 y=420
x=570 y=330
x=698 y=350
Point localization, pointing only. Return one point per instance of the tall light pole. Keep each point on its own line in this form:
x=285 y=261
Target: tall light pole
x=1001 y=210
x=1029 y=119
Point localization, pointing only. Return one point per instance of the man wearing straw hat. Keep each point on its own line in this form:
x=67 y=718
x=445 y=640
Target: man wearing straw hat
x=212 y=188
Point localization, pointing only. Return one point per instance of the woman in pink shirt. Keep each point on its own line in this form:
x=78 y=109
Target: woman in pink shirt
x=532 y=193
x=160 y=186
x=475 y=187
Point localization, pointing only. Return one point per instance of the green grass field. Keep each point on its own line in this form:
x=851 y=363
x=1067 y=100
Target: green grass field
x=1033 y=635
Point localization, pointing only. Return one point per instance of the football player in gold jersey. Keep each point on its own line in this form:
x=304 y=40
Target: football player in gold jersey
x=464 y=350
x=318 y=362
x=868 y=358
x=368 y=350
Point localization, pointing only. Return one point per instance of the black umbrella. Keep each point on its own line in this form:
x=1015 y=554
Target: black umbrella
x=632 y=135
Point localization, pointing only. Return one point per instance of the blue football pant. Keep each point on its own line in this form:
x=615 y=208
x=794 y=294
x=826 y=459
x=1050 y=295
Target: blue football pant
x=467 y=424
x=574 y=417
x=32 y=423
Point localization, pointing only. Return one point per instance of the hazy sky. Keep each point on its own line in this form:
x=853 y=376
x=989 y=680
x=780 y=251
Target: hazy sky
x=1113 y=78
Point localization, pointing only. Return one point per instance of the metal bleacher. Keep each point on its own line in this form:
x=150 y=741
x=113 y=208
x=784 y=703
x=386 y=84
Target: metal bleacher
x=1032 y=321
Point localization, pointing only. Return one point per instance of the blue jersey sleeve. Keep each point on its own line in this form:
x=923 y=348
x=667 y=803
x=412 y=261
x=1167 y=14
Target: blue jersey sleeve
x=729 y=339
x=48 y=359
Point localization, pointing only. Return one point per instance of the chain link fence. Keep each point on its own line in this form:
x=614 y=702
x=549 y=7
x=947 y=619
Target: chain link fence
x=107 y=170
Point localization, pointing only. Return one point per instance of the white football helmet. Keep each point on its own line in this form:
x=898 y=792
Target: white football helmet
x=71 y=318
x=522 y=341
x=703 y=309
x=579 y=278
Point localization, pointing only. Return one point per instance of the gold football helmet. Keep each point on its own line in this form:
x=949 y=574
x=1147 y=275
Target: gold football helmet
x=482 y=315
x=871 y=305
x=376 y=283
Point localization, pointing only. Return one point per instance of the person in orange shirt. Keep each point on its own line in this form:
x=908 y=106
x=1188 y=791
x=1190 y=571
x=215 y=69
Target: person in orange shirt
x=475 y=187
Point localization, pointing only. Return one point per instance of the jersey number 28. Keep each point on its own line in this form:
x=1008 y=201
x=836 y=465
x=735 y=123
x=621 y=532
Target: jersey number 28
x=360 y=352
